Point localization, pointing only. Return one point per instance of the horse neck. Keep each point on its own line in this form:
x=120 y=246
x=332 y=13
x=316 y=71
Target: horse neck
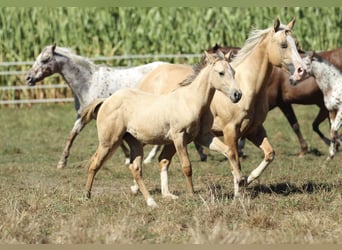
x=252 y=73
x=76 y=76
x=324 y=74
x=202 y=87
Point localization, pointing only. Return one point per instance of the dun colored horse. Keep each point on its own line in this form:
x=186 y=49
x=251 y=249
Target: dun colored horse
x=87 y=81
x=329 y=80
x=282 y=94
x=175 y=119
x=253 y=66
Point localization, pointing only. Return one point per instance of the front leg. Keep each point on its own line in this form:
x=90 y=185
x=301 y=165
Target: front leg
x=336 y=122
x=78 y=126
x=180 y=145
x=259 y=138
x=231 y=152
x=165 y=158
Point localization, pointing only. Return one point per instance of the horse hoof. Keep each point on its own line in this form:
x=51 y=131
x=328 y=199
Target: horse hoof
x=170 y=196
x=87 y=196
x=147 y=161
x=151 y=203
x=134 y=189
x=61 y=164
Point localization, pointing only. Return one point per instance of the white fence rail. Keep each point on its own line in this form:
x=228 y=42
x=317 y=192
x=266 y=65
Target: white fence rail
x=129 y=58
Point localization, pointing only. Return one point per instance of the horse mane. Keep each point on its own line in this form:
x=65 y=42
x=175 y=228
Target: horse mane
x=196 y=70
x=254 y=38
x=320 y=59
x=79 y=60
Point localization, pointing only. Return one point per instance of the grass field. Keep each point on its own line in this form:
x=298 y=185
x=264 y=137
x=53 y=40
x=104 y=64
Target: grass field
x=297 y=200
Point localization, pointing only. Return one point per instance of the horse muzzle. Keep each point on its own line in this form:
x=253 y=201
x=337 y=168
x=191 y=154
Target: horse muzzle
x=235 y=96
x=30 y=80
x=298 y=75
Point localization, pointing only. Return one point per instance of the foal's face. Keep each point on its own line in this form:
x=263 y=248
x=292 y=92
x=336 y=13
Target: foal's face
x=45 y=65
x=282 y=51
x=223 y=79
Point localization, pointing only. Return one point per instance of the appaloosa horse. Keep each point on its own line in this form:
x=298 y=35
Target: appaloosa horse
x=87 y=80
x=329 y=80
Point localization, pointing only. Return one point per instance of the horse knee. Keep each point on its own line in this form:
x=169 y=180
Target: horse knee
x=269 y=156
x=187 y=170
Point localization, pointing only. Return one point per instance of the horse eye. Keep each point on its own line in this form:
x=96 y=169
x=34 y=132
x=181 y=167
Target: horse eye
x=221 y=73
x=45 y=60
x=283 y=45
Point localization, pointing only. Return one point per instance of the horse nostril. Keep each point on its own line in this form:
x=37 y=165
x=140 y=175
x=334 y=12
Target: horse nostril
x=237 y=96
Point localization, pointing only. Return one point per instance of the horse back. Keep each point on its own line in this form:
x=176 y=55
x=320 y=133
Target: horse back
x=165 y=78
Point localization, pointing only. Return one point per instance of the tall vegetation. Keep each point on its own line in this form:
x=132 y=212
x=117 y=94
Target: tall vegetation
x=111 y=31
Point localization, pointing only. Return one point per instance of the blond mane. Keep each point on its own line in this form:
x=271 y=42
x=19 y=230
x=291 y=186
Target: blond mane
x=254 y=38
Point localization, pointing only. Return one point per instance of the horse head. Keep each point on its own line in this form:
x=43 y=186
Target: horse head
x=283 y=50
x=45 y=65
x=223 y=75
x=307 y=60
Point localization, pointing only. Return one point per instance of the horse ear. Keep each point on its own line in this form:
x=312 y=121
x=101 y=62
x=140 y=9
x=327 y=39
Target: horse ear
x=276 y=24
x=228 y=56
x=208 y=57
x=220 y=54
x=292 y=23
x=53 y=47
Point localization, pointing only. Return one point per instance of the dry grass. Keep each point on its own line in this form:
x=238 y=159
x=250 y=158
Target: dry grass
x=297 y=200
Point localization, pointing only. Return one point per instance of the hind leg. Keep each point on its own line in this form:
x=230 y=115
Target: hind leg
x=137 y=154
x=321 y=116
x=152 y=154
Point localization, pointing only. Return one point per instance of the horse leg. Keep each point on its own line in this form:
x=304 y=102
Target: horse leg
x=231 y=152
x=78 y=126
x=101 y=155
x=241 y=145
x=165 y=158
x=336 y=122
x=321 y=116
x=259 y=138
x=292 y=119
x=152 y=154
x=200 y=151
x=182 y=152
x=126 y=152
x=136 y=156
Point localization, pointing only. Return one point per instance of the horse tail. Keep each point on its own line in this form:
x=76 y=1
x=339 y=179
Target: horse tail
x=91 y=111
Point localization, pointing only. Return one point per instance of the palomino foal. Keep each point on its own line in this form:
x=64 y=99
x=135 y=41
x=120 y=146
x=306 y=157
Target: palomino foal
x=176 y=119
x=274 y=46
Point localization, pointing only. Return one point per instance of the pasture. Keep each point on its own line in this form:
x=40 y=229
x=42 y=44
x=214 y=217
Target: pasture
x=296 y=200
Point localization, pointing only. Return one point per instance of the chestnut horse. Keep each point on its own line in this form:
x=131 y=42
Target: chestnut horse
x=329 y=80
x=175 y=119
x=253 y=66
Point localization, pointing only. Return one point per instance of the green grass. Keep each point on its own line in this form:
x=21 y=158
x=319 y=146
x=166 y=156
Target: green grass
x=296 y=200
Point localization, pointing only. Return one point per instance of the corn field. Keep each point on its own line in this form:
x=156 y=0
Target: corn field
x=92 y=32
